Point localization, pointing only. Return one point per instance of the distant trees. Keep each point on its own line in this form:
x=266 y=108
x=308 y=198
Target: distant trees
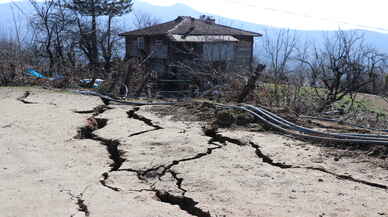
x=279 y=49
x=52 y=27
x=88 y=29
x=16 y=47
x=143 y=20
x=68 y=30
x=344 y=65
x=9 y=51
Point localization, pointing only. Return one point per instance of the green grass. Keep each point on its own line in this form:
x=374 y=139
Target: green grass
x=360 y=103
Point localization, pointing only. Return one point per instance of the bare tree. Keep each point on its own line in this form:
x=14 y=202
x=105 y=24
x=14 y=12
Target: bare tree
x=108 y=42
x=16 y=47
x=87 y=13
x=44 y=23
x=279 y=49
x=343 y=66
x=21 y=28
x=8 y=53
x=143 y=20
x=251 y=84
x=54 y=27
x=376 y=64
x=78 y=31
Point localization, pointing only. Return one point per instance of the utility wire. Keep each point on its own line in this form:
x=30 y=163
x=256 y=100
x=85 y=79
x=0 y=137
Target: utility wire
x=309 y=16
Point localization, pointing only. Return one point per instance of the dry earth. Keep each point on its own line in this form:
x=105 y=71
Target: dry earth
x=137 y=163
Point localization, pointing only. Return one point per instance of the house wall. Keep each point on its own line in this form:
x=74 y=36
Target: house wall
x=236 y=55
x=219 y=51
x=131 y=47
x=156 y=46
x=244 y=52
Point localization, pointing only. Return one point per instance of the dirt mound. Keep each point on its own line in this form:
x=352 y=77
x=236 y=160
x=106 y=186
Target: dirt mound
x=208 y=113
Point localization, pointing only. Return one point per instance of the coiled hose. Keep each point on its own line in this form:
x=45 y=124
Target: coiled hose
x=286 y=124
x=323 y=138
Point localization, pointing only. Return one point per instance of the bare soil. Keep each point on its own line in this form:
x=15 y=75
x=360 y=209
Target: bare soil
x=67 y=155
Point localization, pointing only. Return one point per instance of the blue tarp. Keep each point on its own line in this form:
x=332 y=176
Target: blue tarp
x=34 y=73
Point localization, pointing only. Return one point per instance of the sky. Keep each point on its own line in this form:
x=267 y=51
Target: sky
x=298 y=14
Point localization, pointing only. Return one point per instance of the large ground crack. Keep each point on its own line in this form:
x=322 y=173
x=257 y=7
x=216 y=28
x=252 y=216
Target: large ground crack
x=346 y=177
x=80 y=202
x=114 y=153
x=142 y=132
x=104 y=178
x=147 y=175
x=112 y=146
x=82 y=206
x=185 y=203
x=270 y=161
x=267 y=159
x=217 y=137
x=92 y=124
x=132 y=114
x=161 y=170
x=178 y=181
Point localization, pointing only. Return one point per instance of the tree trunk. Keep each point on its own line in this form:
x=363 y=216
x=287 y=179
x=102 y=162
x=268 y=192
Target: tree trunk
x=94 y=51
x=142 y=86
x=251 y=85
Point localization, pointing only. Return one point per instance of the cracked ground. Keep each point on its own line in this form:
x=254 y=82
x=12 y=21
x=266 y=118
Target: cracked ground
x=68 y=155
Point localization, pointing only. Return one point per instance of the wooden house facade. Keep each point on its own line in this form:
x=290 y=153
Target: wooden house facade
x=190 y=42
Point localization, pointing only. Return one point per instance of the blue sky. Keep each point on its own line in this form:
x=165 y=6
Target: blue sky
x=298 y=14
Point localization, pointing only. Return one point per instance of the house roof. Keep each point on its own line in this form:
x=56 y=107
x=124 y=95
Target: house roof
x=203 y=38
x=190 y=26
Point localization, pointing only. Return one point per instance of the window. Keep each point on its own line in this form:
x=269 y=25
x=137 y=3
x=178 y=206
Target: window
x=140 y=42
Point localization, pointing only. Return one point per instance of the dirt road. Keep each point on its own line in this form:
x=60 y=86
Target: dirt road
x=133 y=162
